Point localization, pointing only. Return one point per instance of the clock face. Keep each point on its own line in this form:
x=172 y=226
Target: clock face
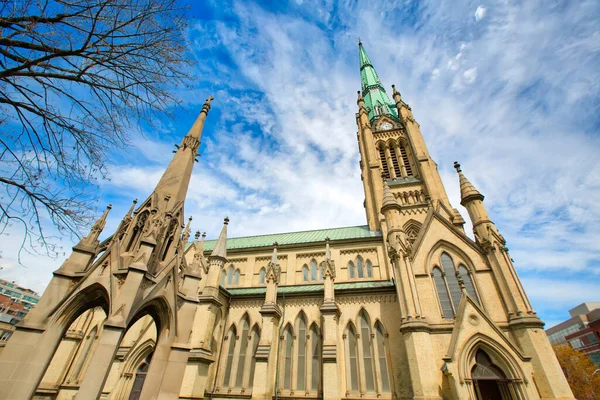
x=386 y=126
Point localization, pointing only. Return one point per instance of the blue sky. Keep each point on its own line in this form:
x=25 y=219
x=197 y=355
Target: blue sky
x=510 y=89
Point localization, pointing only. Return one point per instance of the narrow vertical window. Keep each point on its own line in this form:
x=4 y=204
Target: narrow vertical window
x=261 y=276
x=442 y=291
x=384 y=166
x=313 y=270
x=359 y=267
x=223 y=276
x=352 y=372
x=466 y=277
x=451 y=279
x=405 y=160
x=305 y=273
x=369 y=269
x=287 y=364
x=301 y=369
x=395 y=161
x=254 y=346
x=383 y=369
x=239 y=376
x=230 y=354
x=351 y=271
x=315 y=338
x=230 y=275
x=365 y=336
x=236 y=277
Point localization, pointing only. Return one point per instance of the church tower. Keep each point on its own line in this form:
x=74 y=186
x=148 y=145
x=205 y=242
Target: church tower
x=392 y=146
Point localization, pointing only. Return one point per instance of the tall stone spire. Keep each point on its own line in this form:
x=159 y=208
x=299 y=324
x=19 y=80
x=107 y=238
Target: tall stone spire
x=376 y=99
x=176 y=179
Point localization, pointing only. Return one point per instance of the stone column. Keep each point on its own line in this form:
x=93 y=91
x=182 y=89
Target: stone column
x=266 y=353
x=330 y=312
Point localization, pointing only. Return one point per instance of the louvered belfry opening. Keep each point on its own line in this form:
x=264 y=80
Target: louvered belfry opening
x=405 y=161
x=384 y=165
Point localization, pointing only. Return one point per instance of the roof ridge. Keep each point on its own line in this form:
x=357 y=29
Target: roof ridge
x=305 y=231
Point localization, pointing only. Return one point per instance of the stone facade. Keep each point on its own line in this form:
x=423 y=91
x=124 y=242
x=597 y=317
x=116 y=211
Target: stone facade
x=407 y=307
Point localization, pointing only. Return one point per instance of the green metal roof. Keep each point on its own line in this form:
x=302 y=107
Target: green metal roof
x=372 y=90
x=316 y=236
x=314 y=288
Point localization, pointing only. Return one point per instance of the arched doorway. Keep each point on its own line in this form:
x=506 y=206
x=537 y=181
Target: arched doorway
x=488 y=379
x=140 y=377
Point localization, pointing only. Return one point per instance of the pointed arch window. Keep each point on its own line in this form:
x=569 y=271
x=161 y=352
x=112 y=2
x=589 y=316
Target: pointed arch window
x=444 y=296
x=239 y=376
x=232 y=338
x=261 y=276
x=305 y=273
x=382 y=364
x=395 y=163
x=405 y=160
x=236 y=277
x=367 y=354
x=384 y=164
x=447 y=286
x=230 y=272
x=313 y=270
x=315 y=366
x=466 y=277
x=351 y=270
x=255 y=338
x=288 y=346
x=352 y=367
x=359 y=269
x=140 y=378
x=301 y=355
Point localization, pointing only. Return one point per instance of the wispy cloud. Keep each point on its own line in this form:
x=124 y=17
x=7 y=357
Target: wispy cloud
x=510 y=89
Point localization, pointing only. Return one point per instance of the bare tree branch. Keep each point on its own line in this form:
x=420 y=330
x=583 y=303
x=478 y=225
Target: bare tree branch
x=75 y=77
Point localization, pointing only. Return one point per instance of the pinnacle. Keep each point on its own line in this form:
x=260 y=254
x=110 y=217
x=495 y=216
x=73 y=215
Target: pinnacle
x=468 y=192
x=220 y=249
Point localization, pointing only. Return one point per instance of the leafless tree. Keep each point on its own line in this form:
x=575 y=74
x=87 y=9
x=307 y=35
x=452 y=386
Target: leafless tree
x=76 y=76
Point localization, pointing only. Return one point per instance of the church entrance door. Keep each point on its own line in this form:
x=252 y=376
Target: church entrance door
x=488 y=379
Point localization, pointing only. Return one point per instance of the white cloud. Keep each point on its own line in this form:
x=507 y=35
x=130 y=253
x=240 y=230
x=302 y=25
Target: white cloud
x=284 y=156
x=470 y=75
x=480 y=13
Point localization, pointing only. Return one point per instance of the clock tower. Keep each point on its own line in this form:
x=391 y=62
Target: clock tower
x=393 y=153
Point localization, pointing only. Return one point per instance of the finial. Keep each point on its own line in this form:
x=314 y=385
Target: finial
x=226 y=221
x=327 y=251
x=394 y=90
x=203 y=235
x=457 y=166
x=197 y=235
x=209 y=99
x=359 y=41
x=274 y=256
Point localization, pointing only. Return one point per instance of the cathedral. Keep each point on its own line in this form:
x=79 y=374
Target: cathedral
x=405 y=307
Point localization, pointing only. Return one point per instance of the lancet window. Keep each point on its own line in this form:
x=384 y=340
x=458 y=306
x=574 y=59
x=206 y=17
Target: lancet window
x=241 y=356
x=312 y=273
x=301 y=357
x=230 y=276
x=261 y=276
x=447 y=286
x=395 y=160
x=367 y=370
x=359 y=269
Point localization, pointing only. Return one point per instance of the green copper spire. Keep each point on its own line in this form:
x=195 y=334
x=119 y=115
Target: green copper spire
x=377 y=101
